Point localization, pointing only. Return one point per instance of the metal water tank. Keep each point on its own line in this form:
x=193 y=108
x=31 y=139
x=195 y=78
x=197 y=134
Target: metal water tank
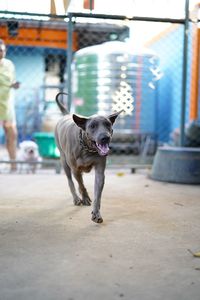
x=114 y=76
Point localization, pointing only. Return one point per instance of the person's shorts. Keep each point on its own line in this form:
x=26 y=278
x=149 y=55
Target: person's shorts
x=7 y=114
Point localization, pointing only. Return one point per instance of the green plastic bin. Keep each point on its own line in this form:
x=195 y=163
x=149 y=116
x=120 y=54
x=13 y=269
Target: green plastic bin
x=46 y=144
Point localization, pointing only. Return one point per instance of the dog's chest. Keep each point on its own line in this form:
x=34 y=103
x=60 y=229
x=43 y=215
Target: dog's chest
x=85 y=169
x=86 y=161
x=85 y=164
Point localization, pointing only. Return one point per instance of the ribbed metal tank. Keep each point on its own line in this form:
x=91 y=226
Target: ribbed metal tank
x=114 y=76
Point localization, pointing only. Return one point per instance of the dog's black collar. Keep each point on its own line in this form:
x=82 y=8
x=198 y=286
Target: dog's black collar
x=84 y=145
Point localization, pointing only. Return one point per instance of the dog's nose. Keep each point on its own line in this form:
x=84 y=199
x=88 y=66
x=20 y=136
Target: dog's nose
x=104 y=139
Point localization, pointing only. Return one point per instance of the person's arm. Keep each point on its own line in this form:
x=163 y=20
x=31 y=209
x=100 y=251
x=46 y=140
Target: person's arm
x=15 y=85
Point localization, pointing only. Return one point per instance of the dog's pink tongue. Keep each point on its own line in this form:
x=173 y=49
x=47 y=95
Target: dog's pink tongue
x=103 y=149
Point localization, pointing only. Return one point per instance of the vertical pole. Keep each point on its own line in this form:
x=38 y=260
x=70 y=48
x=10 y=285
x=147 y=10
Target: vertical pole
x=184 y=76
x=91 y=5
x=69 y=60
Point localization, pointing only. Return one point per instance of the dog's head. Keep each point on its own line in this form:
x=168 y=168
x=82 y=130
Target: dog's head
x=98 y=130
x=29 y=150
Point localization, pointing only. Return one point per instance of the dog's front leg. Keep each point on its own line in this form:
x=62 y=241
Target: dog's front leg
x=85 y=197
x=98 y=187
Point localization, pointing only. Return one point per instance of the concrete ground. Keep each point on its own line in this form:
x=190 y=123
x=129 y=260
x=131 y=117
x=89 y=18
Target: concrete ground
x=50 y=249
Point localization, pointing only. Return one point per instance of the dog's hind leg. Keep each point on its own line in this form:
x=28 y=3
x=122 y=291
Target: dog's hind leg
x=85 y=197
x=76 y=199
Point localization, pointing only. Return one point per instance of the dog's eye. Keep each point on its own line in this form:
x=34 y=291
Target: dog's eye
x=93 y=125
x=107 y=124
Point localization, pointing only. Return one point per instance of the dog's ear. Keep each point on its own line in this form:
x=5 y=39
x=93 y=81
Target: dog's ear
x=113 y=117
x=80 y=121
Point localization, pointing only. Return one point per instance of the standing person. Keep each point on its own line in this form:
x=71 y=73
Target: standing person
x=7 y=109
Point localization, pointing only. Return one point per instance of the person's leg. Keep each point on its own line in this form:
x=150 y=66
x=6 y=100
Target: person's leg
x=11 y=140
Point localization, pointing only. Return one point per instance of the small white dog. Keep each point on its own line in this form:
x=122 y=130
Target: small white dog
x=28 y=152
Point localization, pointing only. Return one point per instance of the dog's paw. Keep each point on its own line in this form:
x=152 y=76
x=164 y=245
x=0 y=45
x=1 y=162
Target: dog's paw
x=77 y=201
x=86 y=201
x=96 y=217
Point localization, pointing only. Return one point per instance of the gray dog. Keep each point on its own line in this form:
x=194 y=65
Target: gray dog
x=83 y=143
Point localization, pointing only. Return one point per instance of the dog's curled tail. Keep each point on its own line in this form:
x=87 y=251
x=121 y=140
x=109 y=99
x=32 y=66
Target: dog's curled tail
x=63 y=109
